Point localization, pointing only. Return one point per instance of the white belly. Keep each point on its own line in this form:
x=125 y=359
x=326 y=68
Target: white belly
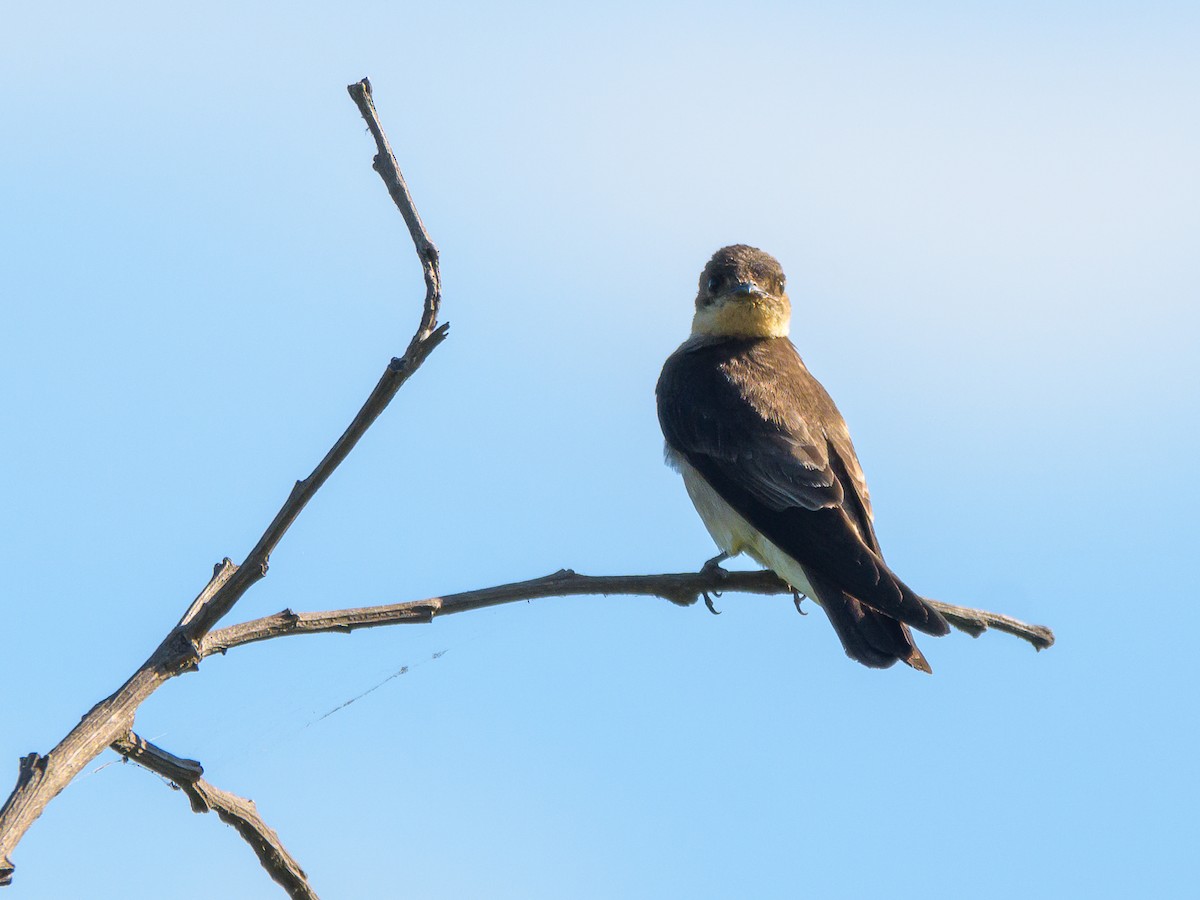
x=734 y=534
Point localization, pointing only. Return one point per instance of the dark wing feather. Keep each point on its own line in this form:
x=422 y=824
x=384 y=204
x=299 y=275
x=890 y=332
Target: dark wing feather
x=764 y=434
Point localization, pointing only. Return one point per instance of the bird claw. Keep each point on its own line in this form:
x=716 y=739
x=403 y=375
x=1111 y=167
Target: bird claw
x=714 y=564
x=796 y=598
x=709 y=603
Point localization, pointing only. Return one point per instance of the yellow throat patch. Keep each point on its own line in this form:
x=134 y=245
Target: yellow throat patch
x=759 y=317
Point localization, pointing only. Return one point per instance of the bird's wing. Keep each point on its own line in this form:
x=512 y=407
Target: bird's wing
x=766 y=436
x=856 y=499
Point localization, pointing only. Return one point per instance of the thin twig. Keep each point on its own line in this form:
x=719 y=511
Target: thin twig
x=41 y=778
x=426 y=338
x=683 y=589
x=976 y=621
x=242 y=814
x=389 y=170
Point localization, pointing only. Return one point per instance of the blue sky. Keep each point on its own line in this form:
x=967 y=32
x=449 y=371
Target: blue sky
x=989 y=221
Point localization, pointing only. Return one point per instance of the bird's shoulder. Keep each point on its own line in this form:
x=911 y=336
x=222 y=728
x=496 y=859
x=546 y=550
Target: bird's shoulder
x=748 y=380
x=752 y=408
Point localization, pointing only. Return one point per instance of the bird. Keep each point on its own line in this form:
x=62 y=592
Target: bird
x=767 y=460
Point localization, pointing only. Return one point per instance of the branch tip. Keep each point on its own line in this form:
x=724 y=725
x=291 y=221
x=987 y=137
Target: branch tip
x=242 y=813
x=43 y=778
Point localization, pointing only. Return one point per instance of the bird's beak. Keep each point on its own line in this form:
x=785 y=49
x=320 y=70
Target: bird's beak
x=748 y=289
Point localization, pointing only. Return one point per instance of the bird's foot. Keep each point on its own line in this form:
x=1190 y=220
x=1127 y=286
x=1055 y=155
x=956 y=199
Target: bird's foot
x=713 y=568
x=714 y=564
x=708 y=601
x=796 y=598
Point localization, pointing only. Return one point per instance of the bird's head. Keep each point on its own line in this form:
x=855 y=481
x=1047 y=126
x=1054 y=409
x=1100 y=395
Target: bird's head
x=742 y=295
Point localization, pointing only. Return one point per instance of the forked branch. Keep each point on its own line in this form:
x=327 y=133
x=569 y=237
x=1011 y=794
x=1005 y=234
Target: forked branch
x=188 y=776
x=41 y=778
x=204 y=615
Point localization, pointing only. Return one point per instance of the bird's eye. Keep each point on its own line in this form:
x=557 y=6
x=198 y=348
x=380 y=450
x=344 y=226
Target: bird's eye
x=713 y=283
x=782 y=284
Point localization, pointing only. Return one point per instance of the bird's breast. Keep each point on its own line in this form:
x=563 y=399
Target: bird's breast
x=729 y=530
x=732 y=533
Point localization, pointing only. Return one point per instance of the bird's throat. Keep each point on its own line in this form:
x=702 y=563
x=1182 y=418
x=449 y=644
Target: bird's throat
x=743 y=318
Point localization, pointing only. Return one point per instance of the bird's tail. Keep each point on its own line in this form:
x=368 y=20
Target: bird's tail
x=868 y=636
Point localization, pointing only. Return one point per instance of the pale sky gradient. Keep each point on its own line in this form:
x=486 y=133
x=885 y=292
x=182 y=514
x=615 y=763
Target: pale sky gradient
x=989 y=219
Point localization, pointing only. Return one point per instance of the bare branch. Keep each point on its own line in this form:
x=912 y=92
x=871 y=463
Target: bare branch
x=683 y=589
x=426 y=338
x=389 y=170
x=976 y=621
x=41 y=778
x=187 y=775
x=222 y=572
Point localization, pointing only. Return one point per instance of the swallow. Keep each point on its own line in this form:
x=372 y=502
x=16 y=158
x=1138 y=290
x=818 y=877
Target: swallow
x=767 y=460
